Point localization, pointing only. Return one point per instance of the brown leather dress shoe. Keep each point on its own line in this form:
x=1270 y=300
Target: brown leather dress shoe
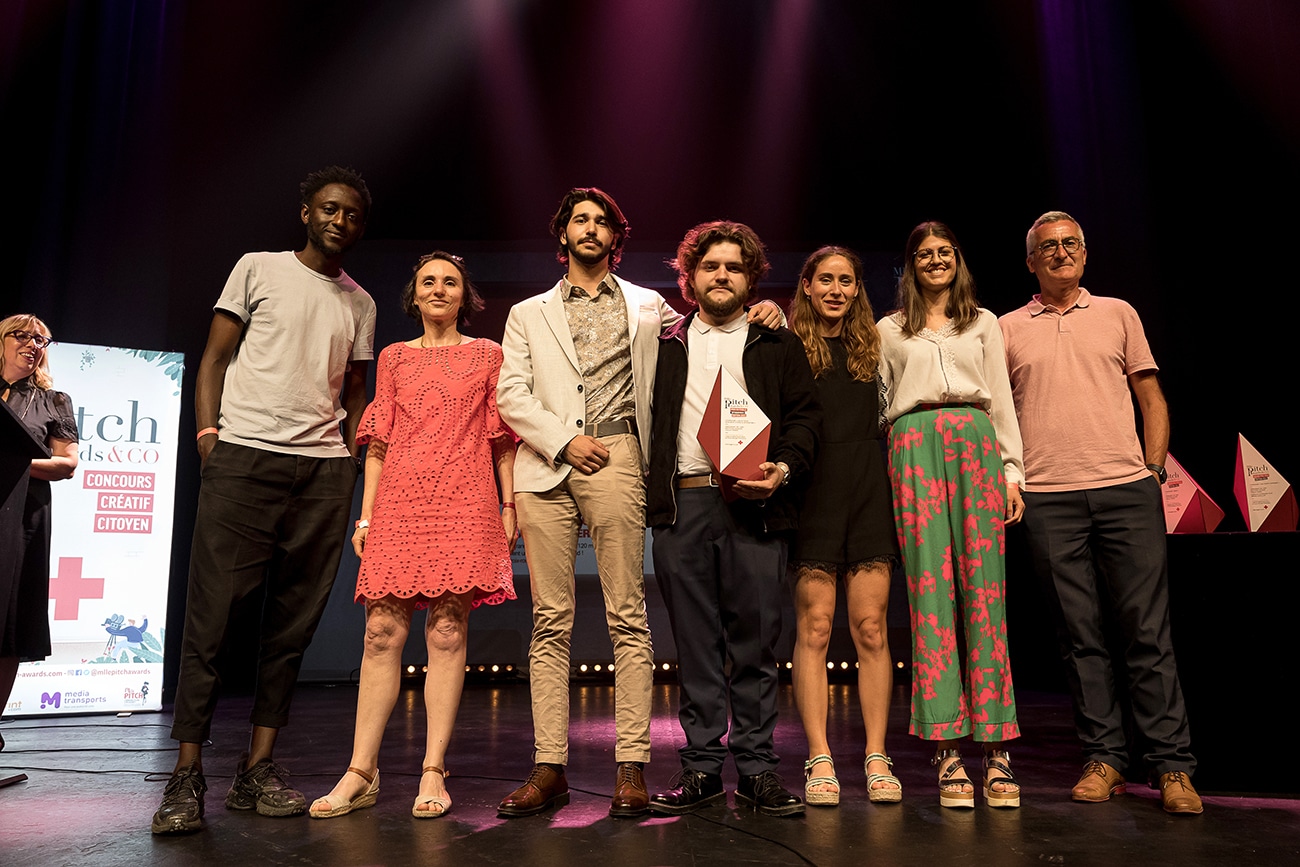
x=545 y=787
x=1098 y=783
x=1178 y=796
x=630 y=795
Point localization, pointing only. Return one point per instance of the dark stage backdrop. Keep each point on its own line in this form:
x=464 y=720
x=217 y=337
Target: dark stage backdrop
x=150 y=143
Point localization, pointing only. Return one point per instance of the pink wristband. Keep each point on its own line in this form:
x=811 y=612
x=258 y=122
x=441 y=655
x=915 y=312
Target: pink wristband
x=206 y=431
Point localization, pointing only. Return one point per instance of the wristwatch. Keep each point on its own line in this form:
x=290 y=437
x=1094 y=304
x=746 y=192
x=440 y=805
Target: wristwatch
x=1160 y=472
x=785 y=472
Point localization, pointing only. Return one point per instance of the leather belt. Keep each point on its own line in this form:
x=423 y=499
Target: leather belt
x=612 y=428
x=704 y=480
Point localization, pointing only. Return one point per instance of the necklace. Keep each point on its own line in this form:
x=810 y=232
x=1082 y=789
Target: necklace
x=31 y=396
x=424 y=345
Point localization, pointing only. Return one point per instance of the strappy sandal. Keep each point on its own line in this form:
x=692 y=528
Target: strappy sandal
x=339 y=806
x=442 y=802
x=996 y=760
x=948 y=779
x=893 y=792
x=820 y=798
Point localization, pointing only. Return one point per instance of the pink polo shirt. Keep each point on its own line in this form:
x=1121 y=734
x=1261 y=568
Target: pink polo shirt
x=1069 y=374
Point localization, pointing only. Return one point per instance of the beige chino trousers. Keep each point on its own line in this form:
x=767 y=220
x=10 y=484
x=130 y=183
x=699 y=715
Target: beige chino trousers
x=612 y=502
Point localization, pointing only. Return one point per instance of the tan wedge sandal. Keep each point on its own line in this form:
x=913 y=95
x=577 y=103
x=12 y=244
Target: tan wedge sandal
x=443 y=803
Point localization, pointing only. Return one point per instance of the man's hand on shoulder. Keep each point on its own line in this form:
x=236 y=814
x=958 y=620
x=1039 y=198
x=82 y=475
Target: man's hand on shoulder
x=585 y=454
x=767 y=313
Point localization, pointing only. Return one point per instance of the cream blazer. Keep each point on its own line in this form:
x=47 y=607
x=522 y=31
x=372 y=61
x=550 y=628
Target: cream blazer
x=540 y=391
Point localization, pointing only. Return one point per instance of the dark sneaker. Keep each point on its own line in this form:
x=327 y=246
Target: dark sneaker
x=262 y=788
x=765 y=794
x=695 y=789
x=181 y=811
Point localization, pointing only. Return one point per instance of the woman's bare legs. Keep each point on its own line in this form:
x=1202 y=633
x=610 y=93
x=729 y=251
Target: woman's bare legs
x=388 y=621
x=814 y=606
x=867 y=590
x=445 y=633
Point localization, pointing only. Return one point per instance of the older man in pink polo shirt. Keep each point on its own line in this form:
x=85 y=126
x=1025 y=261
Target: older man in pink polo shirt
x=1093 y=511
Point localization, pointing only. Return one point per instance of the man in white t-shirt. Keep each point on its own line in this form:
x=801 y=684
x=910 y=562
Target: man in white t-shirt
x=285 y=364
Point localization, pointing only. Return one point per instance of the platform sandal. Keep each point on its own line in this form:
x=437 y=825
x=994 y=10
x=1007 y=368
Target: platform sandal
x=443 y=802
x=341 y=807
x=820 y=798
x=948 y=781
x=886 y=795
x=996 y=759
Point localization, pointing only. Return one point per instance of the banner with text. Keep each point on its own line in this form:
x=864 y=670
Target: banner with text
x=111 y=547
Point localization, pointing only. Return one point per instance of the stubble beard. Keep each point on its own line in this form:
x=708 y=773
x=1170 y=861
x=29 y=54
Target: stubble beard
x=325 y=246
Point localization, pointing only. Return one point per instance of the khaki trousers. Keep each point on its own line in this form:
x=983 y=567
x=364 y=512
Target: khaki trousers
x=612 y=502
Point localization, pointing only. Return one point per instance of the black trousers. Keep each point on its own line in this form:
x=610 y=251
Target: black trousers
x=722 y=585
x=268 y=519
x=1102 y=552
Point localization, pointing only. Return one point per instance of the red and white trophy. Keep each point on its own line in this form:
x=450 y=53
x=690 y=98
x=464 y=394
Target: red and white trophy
x=1188 y=509
x=734 y=433
x=1266 y=499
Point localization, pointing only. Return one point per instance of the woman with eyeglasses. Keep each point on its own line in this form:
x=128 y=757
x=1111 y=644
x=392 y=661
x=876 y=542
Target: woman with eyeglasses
x=432 y=532
x=47 y=415
x=955 y=467
x=846 y=530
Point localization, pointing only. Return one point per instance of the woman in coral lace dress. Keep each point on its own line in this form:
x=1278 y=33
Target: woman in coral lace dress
x=432 y=532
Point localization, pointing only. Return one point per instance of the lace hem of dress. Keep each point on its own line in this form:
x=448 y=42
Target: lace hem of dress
x=801 y=569
x=484 y=594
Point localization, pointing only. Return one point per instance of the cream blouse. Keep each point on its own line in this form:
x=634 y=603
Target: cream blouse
x=945 y=366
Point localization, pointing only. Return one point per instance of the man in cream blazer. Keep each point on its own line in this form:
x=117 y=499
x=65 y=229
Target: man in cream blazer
x=575 y=386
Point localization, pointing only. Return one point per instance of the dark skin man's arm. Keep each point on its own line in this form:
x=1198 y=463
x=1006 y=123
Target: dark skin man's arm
x=354 y=402
x=223 y=339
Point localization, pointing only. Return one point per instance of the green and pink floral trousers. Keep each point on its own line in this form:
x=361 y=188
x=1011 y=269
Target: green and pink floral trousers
x=949 y=504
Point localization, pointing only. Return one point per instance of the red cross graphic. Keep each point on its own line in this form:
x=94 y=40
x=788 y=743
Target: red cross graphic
x=68 y=588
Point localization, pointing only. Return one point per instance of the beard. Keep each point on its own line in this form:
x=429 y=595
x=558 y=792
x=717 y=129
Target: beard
x=721 y=309
x=576 y=251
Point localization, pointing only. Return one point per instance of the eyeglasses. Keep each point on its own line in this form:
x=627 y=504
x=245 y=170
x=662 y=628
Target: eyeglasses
x=923 y=257
x=40 y=340
x=1047 y=249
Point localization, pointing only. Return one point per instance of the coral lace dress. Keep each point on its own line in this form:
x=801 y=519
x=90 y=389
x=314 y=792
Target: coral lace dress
x=436 y=525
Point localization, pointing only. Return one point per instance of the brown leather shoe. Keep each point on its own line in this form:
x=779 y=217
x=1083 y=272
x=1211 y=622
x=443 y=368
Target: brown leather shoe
x=630 y=795
x=1098 y=783
x=545 y=787
x=1178 y=796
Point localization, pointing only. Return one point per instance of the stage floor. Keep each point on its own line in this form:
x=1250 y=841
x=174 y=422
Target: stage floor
x=95 y=782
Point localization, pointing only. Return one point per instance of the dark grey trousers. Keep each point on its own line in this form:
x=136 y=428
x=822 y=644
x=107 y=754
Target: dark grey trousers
x=263 y=518
x=1100 y=555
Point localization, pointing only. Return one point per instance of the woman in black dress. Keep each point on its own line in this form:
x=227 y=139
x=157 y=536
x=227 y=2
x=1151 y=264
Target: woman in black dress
x=846 y=530
x=25 y=590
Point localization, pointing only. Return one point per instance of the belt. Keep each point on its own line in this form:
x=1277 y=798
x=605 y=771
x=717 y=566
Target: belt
x=612 y=428
x=703 y=480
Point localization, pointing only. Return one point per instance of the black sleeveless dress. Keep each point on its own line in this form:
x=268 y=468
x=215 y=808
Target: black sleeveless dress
x=848 y=516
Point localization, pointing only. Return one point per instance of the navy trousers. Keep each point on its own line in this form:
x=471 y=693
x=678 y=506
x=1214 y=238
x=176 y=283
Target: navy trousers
x=722 y=584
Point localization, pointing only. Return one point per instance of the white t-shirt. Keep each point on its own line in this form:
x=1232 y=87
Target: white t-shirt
x=301 y=331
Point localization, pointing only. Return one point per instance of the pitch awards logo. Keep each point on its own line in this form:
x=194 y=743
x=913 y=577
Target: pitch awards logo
x=135 y=697
x=119 y=442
